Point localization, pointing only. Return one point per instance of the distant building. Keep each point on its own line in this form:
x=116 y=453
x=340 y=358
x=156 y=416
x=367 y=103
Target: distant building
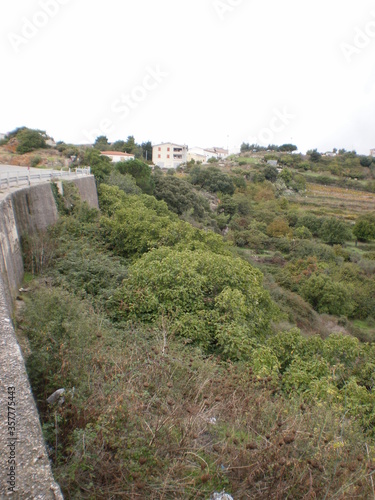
x=169 y=155
x=330 y=153
x=2 y=136
x=117 y=156
x=204 y=154
x=372 y=152
x=196 y=157
x=201 y=153
x=219 y=153
x=273 y=163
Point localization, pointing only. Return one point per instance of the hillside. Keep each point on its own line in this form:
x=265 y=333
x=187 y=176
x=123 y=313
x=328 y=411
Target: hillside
x=194 y=362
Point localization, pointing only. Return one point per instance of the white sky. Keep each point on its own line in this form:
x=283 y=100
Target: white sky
x=226 y=71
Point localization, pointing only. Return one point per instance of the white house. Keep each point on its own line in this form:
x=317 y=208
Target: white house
x=372 y=152
x=117 y=156
x=207 y=153
x=2 y=136
x=169 y=155
x=200 y=153
x=218 y=153
x=197 y=157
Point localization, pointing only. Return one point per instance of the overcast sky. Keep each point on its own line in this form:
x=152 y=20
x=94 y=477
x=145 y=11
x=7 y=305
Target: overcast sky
x=199 y=72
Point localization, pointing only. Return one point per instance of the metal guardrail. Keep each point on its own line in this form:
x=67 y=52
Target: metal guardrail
x=21 y=177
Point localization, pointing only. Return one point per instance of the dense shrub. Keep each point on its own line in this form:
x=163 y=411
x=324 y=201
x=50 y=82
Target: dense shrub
x=29 y=140
x=312 y=222
x=302 y=233
x=133 y=225
x=335 y=231
x=213 y=300
x=141 y=173
x=125 y=182
x=211 y=179
x=364 y=228
x=327 y=296
x=180 y=196
x=279 y=228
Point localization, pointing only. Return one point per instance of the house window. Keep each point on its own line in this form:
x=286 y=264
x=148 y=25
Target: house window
x=168 y=149
x=159 y=149
x=168 y=156
x=159 y=156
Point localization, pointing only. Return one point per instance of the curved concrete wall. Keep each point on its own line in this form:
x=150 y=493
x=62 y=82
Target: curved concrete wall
x=25 y=470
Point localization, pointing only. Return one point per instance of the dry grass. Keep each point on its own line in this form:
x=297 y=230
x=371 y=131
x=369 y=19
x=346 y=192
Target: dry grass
x=152 y=418
x=337 y=201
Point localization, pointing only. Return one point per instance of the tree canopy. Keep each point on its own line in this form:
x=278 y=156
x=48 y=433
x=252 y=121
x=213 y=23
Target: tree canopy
x=335 y=231
x=141 y=173
x=179 y=195
x=210 y=299
x=212 y=179
x=364 y=228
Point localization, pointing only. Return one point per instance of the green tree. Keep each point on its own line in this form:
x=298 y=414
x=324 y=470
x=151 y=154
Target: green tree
x=118 y=146
x=228 y=206
x=270 y=173
x=288 y=147
x=133 y=225
x=101 y=166
x=364 y=228
x=125 y=182
x=102 y=143
x=315 y=156
x=147 y=150
x=279 y=228
x=311 y=221
x=130 y=145
x=327 y=296
x=180 y=195
x=213 y=300
x=335 y=231
x=287 y=176
x=29 y=140
x=365 y=161
x=211 y=179
x=141 y=173
x=302 y=233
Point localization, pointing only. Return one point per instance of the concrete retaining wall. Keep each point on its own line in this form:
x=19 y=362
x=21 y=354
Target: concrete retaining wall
x=23 y=211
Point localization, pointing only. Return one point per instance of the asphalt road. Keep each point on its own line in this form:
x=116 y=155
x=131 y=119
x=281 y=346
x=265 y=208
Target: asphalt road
x=13 y=168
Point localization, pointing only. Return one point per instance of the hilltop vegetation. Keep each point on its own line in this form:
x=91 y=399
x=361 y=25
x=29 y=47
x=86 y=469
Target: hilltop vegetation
x=215 y=336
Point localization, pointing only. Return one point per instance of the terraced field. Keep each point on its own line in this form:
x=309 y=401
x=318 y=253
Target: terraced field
x=332 y=200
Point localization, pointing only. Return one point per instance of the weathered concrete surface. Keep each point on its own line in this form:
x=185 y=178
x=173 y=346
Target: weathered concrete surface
x=33 y=476
x=34 y=208
x=11 y=265
x=24 y=211
x=87 y=190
